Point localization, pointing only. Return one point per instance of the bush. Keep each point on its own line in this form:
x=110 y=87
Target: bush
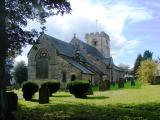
x=29 y=88
x=53 y=86
x=78 y=88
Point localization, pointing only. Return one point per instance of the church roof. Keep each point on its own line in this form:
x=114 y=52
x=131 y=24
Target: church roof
x=62 y=47
x=91 y=50
x=80 y=67
x=70 y=49
x=102 y=62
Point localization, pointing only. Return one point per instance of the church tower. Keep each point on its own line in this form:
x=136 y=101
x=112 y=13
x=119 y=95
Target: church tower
x=100 y=41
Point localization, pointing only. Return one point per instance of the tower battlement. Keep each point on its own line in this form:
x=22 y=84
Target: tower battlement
x=99 y=40
x=98 y=34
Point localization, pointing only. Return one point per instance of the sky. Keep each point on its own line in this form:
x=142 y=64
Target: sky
x=133 y=26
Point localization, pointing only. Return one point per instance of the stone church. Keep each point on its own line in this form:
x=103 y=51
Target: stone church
x=55 y=59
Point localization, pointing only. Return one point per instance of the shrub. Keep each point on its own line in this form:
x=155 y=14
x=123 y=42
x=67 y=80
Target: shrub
x=29 y=88
x=78 y=88
x=53 y=86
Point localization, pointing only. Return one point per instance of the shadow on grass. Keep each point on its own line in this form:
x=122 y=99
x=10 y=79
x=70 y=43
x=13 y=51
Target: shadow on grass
x=34 y=100
x=61 y=95
x=148 y=111
x=97 y=97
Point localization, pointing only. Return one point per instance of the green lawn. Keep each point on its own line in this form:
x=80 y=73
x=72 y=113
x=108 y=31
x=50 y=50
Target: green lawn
x=125 y=104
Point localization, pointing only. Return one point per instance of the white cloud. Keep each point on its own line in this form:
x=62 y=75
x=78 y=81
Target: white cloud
x=112 y=19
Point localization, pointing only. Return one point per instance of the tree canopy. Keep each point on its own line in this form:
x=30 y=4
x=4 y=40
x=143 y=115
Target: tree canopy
x=137 y=63
x=147 y=55
x=147 y=71
x=18 y=12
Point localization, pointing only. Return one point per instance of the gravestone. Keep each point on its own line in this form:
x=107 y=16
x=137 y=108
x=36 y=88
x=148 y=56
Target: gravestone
x=102 y=86
x=12 y=101
x=108 y=84
x=43 y=95
x=121 y=83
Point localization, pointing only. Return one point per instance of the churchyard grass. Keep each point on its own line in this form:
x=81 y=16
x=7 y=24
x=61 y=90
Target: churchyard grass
x=123 y=104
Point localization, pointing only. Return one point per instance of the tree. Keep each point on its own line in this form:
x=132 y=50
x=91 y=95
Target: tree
x=20 y=72
x=147 y=55
x=14 y=14
x=147 y=71
x=137 y=63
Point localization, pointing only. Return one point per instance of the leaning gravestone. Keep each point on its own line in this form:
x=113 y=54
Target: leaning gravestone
x=12 y=101
x=43 y=95
x=102 y=86
x=121 y=83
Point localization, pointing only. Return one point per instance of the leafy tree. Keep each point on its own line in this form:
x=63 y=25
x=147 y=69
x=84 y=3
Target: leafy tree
x=20 y=72
x=147 y=71
x=137 y=63
x=14 y=14
x=147 y=55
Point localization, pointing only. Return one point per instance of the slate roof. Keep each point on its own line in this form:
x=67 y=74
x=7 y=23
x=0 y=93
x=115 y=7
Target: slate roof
x=80 y=67
x=102 y=62
x=62 y=47
x=91 y=50
x=70 y=49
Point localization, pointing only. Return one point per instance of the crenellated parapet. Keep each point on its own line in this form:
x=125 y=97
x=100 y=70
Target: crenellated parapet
x=97 y=34
x=99 y=40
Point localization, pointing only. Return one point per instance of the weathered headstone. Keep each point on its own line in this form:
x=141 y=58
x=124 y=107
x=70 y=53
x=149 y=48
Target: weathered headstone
x=121 y=83
x=108 y=84
x=12 y=101
x=102 y=86
x=43 y=95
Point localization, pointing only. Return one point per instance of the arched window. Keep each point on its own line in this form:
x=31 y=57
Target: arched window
x=42 y=64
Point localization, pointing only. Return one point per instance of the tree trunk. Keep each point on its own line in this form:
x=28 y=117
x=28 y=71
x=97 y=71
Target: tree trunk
x=3 y=50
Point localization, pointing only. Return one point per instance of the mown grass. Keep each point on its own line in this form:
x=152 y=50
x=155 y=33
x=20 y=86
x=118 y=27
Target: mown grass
x=124 y=104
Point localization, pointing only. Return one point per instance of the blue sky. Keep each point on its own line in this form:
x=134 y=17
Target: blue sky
x=133 y=26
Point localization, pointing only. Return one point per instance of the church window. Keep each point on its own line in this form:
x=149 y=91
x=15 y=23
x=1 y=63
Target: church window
x=42 y=64
x=94 y=42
